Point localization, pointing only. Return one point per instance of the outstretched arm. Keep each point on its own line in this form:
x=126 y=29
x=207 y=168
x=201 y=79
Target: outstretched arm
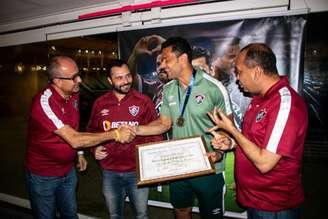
x=156 y=127
x=76 y=139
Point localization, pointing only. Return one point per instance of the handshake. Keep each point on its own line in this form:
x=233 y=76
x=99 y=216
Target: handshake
x=125 y=133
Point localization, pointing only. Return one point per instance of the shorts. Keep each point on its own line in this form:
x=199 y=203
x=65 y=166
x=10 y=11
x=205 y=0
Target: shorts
x=207 y=189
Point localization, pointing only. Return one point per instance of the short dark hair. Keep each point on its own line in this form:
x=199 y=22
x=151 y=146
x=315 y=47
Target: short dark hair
x=179 y=46
x=114 y=63
x=259 y=54
x=198 y=52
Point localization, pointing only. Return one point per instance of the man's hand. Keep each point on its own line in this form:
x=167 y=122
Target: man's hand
x=214 y=156
x=100 y=152
x=222 y=142
x=221 y=121
x=125 y=134
x=81 y=163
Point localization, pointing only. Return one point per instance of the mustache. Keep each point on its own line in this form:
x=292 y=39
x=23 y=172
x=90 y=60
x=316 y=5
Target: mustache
x=162 y=71
x=127 y=84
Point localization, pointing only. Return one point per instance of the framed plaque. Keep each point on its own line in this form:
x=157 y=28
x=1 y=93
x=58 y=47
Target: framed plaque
x=171 y=160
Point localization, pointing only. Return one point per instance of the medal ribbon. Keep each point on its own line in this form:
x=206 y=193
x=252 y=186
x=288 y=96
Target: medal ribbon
x=188 y=92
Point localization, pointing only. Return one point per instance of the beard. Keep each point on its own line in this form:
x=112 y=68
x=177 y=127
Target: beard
x=123 y=89
x=163 y=76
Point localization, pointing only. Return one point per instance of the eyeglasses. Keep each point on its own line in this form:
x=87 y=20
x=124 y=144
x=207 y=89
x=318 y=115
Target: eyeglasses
x=73 y=77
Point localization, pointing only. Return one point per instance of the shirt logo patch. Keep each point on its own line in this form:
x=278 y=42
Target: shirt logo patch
x=199 y=98
x=260 y=115
x=104 y=112
x=134 y=110
x=171 y=98
x=75 y=104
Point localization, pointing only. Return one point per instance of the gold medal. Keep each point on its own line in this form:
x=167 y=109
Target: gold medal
x=180 y=121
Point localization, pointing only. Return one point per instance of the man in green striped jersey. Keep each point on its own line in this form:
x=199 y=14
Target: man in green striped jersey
x=188 y=97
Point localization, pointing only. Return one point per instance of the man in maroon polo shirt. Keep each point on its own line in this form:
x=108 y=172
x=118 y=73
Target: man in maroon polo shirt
x=53 y=139
x=122 y=105
x=269 y=150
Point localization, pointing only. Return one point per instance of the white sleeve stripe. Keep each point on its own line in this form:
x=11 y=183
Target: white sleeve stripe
x=223 y=91
x=47 y=109
x=281 y=121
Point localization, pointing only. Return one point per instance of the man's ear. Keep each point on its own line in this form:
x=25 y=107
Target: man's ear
x=56 y=81
x=258 y=71
x=184 y=57
x=110 y=81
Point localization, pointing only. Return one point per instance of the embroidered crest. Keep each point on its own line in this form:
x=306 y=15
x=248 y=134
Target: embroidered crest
x=75 y=104
x=104 y=112
x=199 y=98
x=134 y=110
x=260 y=115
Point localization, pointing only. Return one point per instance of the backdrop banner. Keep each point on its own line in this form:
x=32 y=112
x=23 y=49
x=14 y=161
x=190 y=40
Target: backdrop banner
x=220 y=41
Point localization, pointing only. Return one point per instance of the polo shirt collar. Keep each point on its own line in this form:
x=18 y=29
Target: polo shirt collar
x=126 y=97
x=198 y=76
x=277 y=86
x=57 y=96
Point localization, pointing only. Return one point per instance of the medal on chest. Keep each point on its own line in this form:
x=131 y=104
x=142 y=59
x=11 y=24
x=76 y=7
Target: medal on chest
x=180 y=120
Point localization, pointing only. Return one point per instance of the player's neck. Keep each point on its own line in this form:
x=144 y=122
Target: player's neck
x=269 y=82
x=185 y=77
x=61 y=93
x=118 y=95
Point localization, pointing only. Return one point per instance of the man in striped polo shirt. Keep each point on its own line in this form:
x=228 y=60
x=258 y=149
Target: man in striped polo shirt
x=269 y=149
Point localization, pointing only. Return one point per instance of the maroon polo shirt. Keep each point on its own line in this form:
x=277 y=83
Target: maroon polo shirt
x=48 y=154
x=277 y=122
x=108 y=113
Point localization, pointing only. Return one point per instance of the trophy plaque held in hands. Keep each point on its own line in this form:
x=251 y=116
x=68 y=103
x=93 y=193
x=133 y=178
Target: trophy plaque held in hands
x=172 y=160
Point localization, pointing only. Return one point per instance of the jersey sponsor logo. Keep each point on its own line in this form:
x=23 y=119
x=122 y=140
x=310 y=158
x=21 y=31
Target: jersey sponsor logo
x=260 y=115
x=134 y=110
x=115 y=125
x=199 y=98
x=106 y=125
x=104 y=112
